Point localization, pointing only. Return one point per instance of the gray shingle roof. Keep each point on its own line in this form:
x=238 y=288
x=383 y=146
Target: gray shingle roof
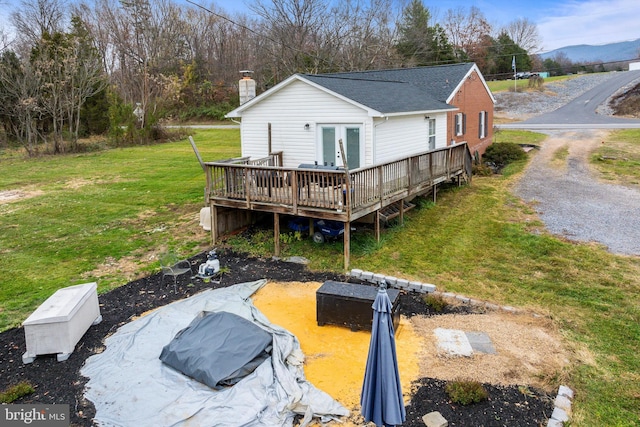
x=399 y=90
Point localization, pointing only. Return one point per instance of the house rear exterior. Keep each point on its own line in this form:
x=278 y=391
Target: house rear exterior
x=380 y=116
x=350 y=147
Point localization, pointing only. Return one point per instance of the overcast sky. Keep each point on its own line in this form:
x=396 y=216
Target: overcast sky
x=560 y=22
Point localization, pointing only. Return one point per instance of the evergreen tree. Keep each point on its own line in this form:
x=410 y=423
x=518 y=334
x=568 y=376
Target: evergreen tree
x=502 y=53
x=419 y=42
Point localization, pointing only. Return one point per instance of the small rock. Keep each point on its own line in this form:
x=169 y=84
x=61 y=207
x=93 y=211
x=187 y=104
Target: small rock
x=565 y=391
x=559 y=414
x=563 y=403
x=297 y=260
x=435 y=419
x=356 y=272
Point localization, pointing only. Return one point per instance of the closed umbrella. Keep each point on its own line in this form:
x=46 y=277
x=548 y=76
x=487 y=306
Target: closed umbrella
x=381 y=398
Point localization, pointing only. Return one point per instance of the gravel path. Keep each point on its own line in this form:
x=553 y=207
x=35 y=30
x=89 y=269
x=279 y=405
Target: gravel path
x=569 y=198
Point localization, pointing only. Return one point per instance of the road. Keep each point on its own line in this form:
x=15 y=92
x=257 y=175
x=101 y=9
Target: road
x=580 y=113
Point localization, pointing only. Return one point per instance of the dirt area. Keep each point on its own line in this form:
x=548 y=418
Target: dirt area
x=529 y=349
x=526 y=345
x=9 y=196
x=627 y=104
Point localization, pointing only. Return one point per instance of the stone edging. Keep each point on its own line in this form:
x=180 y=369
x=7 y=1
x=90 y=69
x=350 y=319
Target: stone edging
x=562 y=407
x=562 y=403
x=423 y=288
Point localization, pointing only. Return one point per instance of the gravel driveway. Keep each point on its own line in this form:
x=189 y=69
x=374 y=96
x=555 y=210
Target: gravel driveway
x=573 y=203
x=568 y=196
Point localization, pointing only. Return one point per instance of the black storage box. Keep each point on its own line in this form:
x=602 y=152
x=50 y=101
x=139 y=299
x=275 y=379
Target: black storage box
x=348 y=304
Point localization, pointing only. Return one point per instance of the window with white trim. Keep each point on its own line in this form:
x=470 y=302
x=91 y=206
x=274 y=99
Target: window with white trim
x=482 y=124
x=460 y=124
x=432 y=134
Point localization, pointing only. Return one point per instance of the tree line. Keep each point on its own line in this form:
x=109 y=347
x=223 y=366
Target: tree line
x=122 y=66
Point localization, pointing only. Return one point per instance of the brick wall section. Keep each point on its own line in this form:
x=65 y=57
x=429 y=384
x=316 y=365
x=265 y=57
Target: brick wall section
x=471 y=99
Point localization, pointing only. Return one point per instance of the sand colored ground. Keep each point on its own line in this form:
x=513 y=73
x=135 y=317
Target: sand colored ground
x=529 y=349
x=335 y=356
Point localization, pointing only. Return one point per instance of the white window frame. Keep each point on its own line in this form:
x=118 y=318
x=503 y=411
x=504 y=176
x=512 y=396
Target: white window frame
x=459 y=122
x=482 y=126
x=341 y=133
x=431 y=133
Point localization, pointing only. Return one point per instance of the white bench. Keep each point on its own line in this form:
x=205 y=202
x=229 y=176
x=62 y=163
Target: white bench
x=59 y=323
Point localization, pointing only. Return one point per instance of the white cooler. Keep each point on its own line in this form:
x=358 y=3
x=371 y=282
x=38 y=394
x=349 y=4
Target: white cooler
x=59 y=323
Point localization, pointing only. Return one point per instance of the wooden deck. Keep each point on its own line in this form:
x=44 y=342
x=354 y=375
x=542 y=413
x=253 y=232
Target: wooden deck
x=264 y=185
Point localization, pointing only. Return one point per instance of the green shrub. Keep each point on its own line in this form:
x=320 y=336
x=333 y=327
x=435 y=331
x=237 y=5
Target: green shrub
x=503 y=153
x=466 y=392
x=481 y=170
x=15 y=392
x=436 y=302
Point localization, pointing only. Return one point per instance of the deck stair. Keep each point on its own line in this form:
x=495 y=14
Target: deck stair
x=393 y=210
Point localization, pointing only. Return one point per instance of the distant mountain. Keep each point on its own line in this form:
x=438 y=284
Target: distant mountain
x=621 y=51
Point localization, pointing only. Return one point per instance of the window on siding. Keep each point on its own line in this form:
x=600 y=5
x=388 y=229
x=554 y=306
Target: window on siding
x=460 y=124
x=432 y=134
x=482 y=124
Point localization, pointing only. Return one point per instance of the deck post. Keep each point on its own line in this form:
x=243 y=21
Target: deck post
x=214 y=223
x=276 y=233
x=402 y=212
x=347 y=244
x=377 y=225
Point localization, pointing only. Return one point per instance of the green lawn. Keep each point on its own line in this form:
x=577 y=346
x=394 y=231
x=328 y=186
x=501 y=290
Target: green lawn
x=618 y=158
x=85 y=211
x=478 y=240
x=522 y=84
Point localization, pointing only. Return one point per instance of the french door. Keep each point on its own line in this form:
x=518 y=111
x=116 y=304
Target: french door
x=329 y=146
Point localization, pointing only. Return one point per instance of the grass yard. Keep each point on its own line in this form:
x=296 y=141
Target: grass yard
x=522 y=84
x=79 y=213
x=518 y=137
x=618 y=158
x=79 y=218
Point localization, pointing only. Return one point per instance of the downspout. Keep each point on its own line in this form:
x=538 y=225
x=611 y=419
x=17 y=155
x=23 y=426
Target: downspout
x=373 y=149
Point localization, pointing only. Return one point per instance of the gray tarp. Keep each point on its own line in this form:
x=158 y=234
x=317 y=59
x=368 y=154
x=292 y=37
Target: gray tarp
x=130 y=386
x=218 y=349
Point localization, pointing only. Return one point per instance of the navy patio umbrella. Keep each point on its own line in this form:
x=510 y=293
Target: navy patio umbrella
x=381 y=398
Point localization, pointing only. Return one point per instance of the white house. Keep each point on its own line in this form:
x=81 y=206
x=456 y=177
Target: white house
x=380 y=116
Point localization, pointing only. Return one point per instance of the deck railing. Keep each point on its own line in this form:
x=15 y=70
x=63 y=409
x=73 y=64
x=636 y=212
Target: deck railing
x=263 y=184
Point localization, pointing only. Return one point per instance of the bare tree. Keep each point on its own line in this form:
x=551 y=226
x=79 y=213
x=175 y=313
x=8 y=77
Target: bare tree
x=468 y=31
x=21 y=92
x=34 y=18
x=525 y=34
x=360 y=36
x=293 y=33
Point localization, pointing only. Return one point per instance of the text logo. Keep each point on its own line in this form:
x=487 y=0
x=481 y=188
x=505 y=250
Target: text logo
x=34 y=415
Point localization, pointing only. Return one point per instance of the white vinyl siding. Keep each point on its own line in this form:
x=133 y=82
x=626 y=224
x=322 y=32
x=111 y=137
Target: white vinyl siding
x=289 y=111
x=404 y=136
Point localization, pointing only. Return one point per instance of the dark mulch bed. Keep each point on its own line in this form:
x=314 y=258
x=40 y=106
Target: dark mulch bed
x=60 y=382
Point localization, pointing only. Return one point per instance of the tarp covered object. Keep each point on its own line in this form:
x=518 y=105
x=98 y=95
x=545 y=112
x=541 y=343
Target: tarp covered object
x=218 y=349
x=130 y=386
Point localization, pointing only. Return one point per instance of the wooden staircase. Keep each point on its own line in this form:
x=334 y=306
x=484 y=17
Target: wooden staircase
x=393 y=210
